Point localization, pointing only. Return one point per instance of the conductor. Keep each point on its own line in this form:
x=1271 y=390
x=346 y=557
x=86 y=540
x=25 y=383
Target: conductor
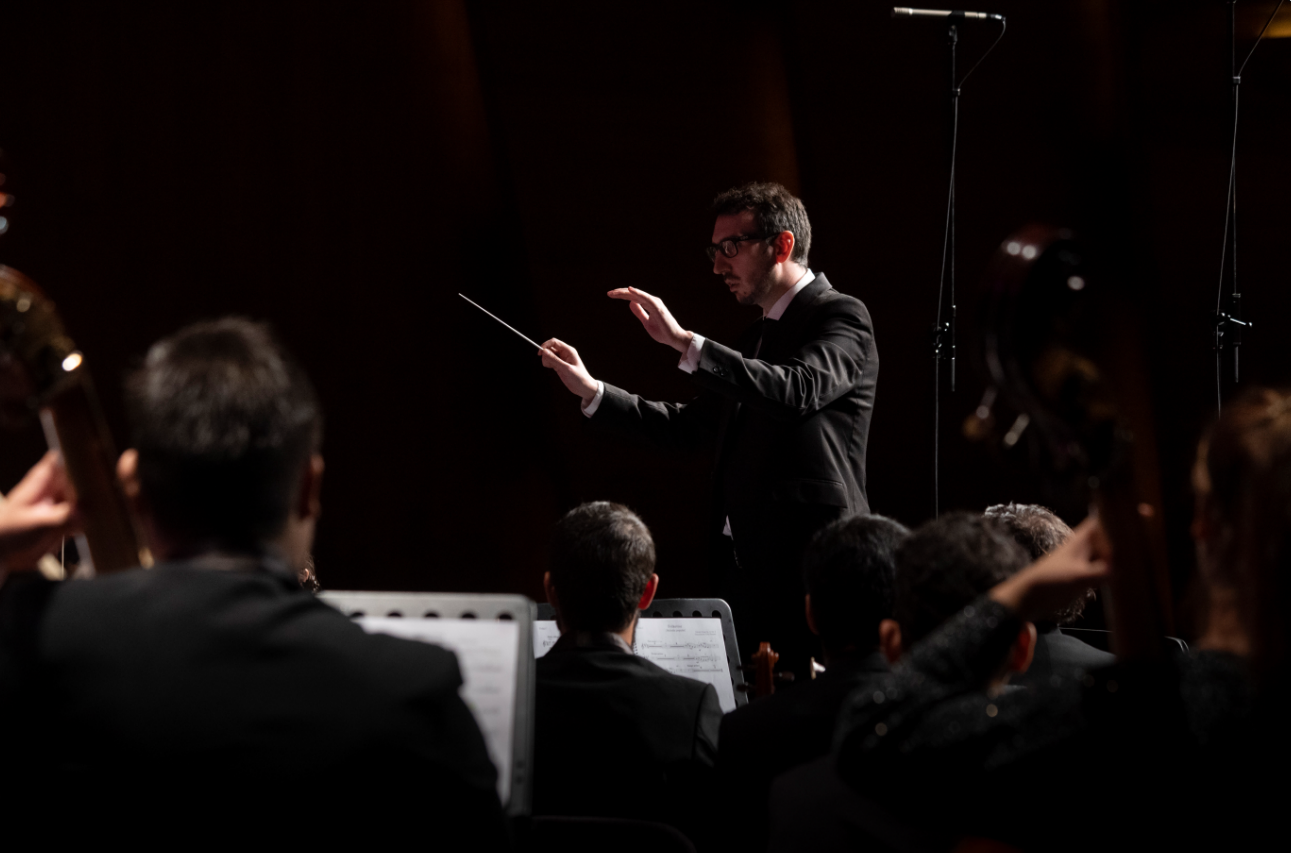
x=789 y=406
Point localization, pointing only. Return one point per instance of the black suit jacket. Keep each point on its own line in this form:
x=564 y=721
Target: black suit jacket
x=618 y=736
x=791 y=425
x=1058 y=654
x=771 y=736
x=220 y=678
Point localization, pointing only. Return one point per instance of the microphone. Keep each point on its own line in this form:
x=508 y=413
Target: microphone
x=957 y=15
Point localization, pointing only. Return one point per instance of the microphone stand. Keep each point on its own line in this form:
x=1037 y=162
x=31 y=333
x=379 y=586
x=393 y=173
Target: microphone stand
x=943 y=332
x=1229 y=323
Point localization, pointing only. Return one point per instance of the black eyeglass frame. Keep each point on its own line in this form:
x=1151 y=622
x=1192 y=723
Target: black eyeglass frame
x=734 y=243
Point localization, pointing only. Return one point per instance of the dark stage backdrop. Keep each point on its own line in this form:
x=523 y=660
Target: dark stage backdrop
x=343 y=170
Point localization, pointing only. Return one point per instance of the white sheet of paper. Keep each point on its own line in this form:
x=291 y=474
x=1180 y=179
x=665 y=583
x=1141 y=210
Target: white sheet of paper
x=486 y=652
x=690 y=647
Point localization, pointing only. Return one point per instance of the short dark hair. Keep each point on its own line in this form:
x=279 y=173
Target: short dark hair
x=849 y=568
x=775 y=209
x=602 y=557
x=224 y=421
x=946 y=564
x=1039 y=531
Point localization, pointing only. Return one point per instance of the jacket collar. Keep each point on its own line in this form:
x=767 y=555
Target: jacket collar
x=788 y=327
x=603 y=641
x=806 y=298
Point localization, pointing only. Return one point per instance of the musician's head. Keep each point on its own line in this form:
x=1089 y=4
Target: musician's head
x=777 y=255
x=849 y=569
x=1242 y=525
x=602 y=568
x=1039 y=531
x=943 y=567
x=225 y=431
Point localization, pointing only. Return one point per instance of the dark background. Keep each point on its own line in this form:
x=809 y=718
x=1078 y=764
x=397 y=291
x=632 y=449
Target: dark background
x=343 y=170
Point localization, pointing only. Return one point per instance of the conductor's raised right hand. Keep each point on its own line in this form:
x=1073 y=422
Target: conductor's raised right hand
x=563 y=359
x=656 y=318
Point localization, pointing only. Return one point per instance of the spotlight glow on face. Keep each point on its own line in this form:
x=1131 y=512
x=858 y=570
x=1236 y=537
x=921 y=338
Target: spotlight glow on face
x=72 y=362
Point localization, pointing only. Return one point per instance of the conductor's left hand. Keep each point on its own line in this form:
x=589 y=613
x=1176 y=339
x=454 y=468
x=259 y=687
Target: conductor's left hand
x=656 y=318
x=563 y=359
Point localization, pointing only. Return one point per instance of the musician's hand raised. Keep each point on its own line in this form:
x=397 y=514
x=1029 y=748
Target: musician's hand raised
x=656 y=318
x=563 y=359
x=36 y=515
x=1059 y=577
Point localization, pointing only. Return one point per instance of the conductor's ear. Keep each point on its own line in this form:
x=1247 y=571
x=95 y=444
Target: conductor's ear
x=784 y=243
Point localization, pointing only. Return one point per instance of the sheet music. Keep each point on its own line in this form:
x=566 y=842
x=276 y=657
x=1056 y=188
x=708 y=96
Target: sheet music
x=694 y=648
x=545 y=635
x=486 y=653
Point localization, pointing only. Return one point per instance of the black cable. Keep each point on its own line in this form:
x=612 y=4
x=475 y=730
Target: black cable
x=1260 y=37
x=1003 y=26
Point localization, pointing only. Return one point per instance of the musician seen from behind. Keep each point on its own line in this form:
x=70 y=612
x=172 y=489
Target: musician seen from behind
x=213 y=680
x=615 y=735
x=941 y=569
x=848 y=568
x=787 y=407
x=1040 y=532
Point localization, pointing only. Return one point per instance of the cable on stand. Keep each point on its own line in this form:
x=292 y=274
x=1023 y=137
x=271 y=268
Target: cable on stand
x=1229 y=324
x=943 y=331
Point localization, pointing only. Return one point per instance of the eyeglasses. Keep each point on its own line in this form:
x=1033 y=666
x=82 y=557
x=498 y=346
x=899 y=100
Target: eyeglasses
x=730 y=248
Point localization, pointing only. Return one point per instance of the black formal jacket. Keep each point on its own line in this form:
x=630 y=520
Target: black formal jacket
x=792 y=424
x=1168 y=748
x=1058 y=654
x=618 y=736
x=220 y=677
x=771 y=736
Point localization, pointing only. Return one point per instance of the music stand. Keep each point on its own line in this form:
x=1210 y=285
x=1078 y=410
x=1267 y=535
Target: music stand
x=452 y=607
x=692 y=608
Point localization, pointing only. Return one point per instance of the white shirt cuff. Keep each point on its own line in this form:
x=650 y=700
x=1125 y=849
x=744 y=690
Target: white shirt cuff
x=590 y=408
x=690 y=361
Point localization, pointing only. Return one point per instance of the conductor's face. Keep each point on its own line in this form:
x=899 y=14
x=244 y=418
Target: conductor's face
x=749 y=273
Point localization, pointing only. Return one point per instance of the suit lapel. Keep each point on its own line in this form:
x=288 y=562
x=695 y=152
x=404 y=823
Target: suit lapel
x=785 y=333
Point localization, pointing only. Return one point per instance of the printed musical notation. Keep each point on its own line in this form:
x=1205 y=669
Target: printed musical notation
x=690 y=647
x=486 y=653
